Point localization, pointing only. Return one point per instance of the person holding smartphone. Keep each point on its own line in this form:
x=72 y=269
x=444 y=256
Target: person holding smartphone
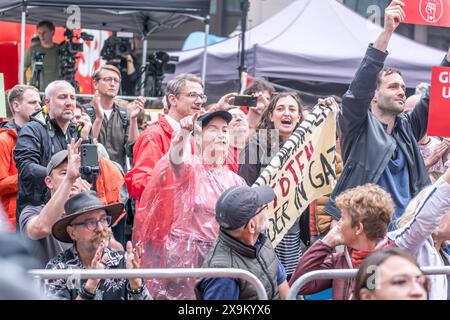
x=278 y=122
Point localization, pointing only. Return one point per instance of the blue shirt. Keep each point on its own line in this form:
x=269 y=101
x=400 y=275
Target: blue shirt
x=228 y=288
x=395 y=180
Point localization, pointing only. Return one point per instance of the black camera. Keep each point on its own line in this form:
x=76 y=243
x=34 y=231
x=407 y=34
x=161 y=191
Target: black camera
x=116 y=47
x=38 y=57
x=90 y=167
x=245 y=100
x=159 y=63
x=68 y=54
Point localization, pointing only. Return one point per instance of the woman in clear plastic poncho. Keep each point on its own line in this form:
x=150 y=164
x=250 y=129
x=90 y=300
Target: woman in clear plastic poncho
x=176 y=217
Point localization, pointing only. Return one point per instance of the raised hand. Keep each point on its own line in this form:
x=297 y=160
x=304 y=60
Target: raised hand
x=262 y=104
x=99 y=112
x=87 y=125
x=189 y=123
x=133 y=261
x=136 y=107
x=73 y=160
x=225 y=103
x=334 y=237
x=393 y=15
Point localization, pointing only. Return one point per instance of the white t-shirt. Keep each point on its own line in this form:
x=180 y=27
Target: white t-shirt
x=108 y=113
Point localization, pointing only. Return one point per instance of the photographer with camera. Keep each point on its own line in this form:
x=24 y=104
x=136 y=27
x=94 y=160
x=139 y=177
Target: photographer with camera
x=43 y=57
x=113 y=126
x=119 y=51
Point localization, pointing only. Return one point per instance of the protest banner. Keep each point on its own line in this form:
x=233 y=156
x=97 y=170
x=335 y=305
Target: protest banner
x=2 y=97
x=427 y=12
x=303 y=170
x=439 y=112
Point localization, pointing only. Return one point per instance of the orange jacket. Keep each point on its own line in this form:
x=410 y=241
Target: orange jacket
x=150 y=147
x=109 y=183
x=319 y=220
x=8 y=174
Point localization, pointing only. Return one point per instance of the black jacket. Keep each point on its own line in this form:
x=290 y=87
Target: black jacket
x=38 y=141
x=366 y=146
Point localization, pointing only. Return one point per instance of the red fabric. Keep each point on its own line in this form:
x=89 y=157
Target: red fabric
x=150 y=147
x=176 y=220
x=358 y=256
x=233 y=159
x=154 y=214
x=8 y=174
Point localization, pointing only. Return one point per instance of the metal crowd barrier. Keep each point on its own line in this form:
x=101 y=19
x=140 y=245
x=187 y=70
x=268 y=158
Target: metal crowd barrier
x=40 y=274
x=345 y=273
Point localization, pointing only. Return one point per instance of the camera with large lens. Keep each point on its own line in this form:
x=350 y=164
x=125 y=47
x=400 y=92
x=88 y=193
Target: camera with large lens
x=158 y=64
x=38 y=59
x=68 y=55
x=116 y=47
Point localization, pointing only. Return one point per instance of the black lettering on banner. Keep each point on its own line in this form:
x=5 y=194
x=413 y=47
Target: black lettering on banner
x=300 y=191
x=322 y=177
x=332 y=150
x=327 y=169
x=279 y=216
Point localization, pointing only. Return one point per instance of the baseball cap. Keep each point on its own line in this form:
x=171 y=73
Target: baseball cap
x=204 y=119
x=56 y=160
x=237 y=205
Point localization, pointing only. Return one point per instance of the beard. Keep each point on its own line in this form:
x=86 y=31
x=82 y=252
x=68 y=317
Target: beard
x=263 y=227
x=104 y=235
x=390 y=106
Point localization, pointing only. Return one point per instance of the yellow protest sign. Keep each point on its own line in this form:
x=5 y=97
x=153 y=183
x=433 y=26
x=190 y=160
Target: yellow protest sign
x=303 y=170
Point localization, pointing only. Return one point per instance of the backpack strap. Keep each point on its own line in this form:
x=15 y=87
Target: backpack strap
x=123 y=114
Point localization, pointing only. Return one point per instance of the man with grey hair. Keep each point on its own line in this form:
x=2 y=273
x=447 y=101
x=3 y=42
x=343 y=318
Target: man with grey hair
x=23 y=102
x=48 y=132
x=185 y=96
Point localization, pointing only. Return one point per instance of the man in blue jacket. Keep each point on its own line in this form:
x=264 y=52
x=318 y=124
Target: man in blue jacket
x=379 y=143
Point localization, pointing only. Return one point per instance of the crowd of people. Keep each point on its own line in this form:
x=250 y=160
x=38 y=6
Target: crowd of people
x=184 y=186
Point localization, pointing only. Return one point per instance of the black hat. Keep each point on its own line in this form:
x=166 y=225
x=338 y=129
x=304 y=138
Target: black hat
x=204 y=119
x=56 y=160
x=237 y=205
x=79 y=204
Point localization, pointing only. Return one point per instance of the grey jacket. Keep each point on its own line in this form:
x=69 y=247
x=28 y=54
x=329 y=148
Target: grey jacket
x=229 y=252
x=366 y=146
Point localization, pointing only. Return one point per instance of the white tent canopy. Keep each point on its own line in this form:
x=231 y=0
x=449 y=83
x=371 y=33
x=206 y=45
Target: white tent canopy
x=320 y=40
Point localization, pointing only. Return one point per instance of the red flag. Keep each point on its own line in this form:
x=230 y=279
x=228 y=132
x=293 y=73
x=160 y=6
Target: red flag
x=427 y=12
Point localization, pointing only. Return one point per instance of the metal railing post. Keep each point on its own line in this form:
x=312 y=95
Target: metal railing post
x=155 y=273
x=346 y=273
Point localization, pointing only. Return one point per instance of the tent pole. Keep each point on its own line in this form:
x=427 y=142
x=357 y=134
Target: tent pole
x=244 y=12
x=22 y=46
x=205 y=50
x=144 y=62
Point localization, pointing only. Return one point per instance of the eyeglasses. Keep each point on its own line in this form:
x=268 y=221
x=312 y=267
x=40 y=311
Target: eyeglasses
x=195 y=96
x=91 y=224
x=111 y=80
